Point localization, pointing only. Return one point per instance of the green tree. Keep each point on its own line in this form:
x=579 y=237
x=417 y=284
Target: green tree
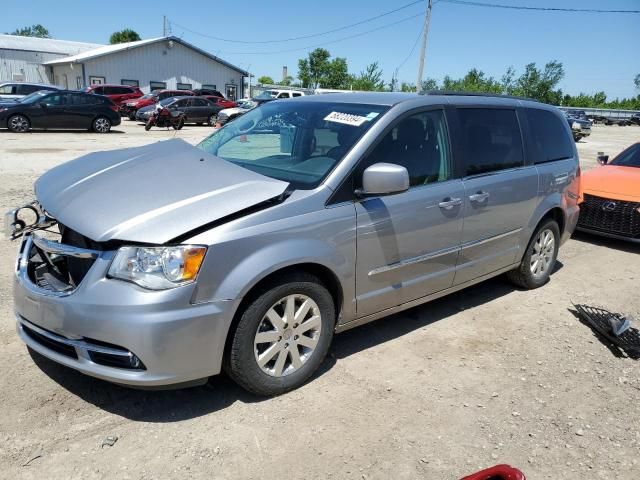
x=318 y=71
x=124 y=36
x=265 y=80
x=541 y=84
x=286 y=81
x=636 y=81
x=430 y=84
x=407 y=87
x=369 y=79
x=33 y=31
x=474 y=81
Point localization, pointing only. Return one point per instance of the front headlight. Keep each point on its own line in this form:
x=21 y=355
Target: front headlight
x=158 y=268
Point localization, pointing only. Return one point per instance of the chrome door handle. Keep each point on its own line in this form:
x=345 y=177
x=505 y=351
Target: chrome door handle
x=448 y=203
x=479 y=197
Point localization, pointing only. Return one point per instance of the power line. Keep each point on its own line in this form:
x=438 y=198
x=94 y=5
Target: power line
x=328 y=42
x=543 y=9
x=366 y=20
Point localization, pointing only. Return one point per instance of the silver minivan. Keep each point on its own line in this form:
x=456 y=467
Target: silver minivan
x=302 y=218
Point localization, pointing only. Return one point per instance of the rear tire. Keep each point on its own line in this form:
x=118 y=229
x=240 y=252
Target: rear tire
x=540 y=257
x=301 y=338
x=147 y=126
x=18 y=124
x=180 y=124
x=101 y=125
x=212 y=120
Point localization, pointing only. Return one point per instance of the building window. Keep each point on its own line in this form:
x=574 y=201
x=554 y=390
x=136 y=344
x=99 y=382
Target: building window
x=209 y=87
x=131 y=83
x=184 y=86
x=157 y=86
x=97 y=80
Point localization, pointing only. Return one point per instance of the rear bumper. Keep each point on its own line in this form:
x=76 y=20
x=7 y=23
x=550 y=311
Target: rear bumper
x=571 y=221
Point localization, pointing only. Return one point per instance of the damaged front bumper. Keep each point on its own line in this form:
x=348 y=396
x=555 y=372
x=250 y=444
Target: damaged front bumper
x=108 y=328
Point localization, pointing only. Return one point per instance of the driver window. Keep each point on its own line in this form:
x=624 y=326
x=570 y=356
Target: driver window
x=57 y=99
x=420 y=144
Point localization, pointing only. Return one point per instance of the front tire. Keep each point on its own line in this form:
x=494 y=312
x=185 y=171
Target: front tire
x=101 y=125
x=18 y=124
x=283 y=336
x=212 y=120
x=540 y=257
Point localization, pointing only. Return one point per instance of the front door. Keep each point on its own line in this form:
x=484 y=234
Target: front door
x=53 y=113
x=231 y=92
x=408 y=243
x=500 y=191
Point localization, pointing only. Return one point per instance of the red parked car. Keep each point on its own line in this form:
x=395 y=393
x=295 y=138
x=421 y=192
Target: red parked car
x=129 y=108
x=223 y=102
x=116 y=93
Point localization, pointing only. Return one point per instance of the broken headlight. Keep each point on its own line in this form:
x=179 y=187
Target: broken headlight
x=158 y=268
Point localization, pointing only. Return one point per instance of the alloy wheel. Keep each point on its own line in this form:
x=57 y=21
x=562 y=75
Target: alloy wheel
x=19 y=124
x=287 y=335
x=102 y=125
x=543 y=253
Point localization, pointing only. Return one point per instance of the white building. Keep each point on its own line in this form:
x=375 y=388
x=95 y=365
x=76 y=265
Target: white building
x=157 y=63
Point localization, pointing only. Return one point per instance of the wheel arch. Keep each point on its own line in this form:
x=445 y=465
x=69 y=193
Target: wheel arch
x=327 y=277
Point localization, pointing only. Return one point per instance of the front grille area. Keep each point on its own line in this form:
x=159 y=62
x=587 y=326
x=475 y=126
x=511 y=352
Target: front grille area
x=612 y=216
x=51 y=344
x=59 y=266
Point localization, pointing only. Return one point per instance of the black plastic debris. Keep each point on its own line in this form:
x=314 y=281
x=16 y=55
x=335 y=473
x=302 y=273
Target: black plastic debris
x=612 y=329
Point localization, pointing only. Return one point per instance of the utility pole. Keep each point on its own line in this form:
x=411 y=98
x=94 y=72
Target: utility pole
x=164 y=25
x=423 y=49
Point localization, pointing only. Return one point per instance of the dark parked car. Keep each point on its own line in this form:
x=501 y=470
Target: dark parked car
x=197 y=110
x=635 y=118
x=207 y=92
x=11 y=92
x=116 y=93
x=60 y=109
x=129 y=108
x=580 y=127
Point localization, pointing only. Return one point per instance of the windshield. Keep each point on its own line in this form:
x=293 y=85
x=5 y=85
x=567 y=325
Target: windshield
x=35 y=96
x=167 y=101
x=629 y=158
x=297 y=142
x=147 y=96
x=247 y=104
x=267 y=94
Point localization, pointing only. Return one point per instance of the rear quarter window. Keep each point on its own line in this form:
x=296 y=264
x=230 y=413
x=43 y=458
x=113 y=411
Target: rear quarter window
x=491 y=139
x=549 y=137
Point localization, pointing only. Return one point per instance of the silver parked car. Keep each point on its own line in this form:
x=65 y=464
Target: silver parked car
x=302 y=218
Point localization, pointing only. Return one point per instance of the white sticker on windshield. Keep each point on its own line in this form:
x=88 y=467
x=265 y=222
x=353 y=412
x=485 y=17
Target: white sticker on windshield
x=346 y=118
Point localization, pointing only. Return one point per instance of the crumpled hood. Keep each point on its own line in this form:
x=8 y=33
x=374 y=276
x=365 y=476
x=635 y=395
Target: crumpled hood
x=149 y=194
x=613 y=181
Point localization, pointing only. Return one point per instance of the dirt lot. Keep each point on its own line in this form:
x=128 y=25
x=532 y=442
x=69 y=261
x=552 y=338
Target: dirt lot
x=489 y=375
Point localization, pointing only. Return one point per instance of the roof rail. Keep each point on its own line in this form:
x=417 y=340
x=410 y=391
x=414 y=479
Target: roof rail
x=475 y=94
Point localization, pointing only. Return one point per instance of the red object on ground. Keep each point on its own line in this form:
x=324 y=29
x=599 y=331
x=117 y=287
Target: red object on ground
x=499 y=472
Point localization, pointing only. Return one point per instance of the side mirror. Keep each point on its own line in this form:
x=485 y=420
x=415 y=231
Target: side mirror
x=602 y=159
x=384 y=179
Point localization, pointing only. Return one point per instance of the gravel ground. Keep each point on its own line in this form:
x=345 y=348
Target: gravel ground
x=488 y=375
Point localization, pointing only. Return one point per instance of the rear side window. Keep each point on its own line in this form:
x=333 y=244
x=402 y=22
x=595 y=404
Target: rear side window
x=7 y=90
x=27 y=89
x=492 y=139
x=549 y=136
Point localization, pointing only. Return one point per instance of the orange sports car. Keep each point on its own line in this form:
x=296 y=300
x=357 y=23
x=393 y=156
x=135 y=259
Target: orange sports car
x=611 y=197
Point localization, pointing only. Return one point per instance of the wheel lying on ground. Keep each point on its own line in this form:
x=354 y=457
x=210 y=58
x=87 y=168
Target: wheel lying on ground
x=283 y=335
x=540 y=257
x=18 y=124
x=101 y=125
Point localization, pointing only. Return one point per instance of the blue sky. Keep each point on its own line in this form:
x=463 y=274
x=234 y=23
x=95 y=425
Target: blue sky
x=599 y=51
